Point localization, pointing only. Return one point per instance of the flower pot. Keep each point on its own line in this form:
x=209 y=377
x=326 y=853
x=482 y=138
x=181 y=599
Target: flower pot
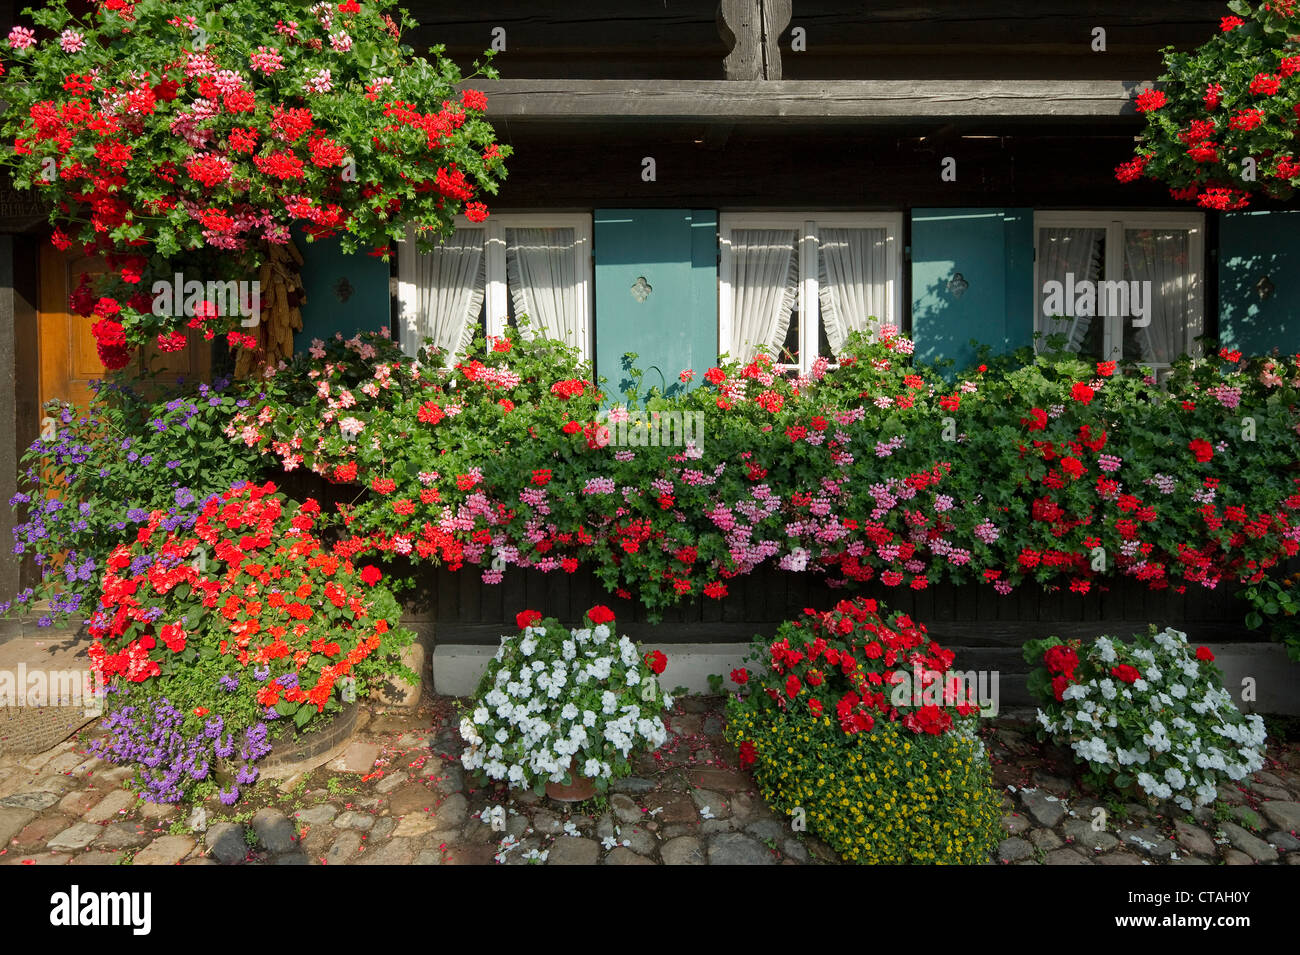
x=581 y=788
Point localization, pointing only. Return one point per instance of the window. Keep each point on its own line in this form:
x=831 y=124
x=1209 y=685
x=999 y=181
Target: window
x=796 y=285
x=489 y=273
x=1120 y=285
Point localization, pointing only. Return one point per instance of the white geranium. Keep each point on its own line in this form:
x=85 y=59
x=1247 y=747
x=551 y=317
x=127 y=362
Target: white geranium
x=1175 y=721
x=554 y=699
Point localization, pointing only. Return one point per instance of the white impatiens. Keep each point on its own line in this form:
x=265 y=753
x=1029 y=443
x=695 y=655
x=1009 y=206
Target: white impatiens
x=1152 y=712
x=556 y=701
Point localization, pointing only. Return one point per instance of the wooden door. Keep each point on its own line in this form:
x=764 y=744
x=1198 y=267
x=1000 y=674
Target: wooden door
x=67 y=358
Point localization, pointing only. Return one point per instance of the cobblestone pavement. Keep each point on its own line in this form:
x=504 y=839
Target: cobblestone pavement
x=398 y=796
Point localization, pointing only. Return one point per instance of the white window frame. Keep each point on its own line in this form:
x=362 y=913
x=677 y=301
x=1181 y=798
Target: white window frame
x=496 y=297
x=1116 y=223
x=806 y=225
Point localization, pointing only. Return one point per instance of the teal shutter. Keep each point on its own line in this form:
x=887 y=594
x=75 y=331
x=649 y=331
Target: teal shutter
x=993 y=251
x=1254 y=246
x=345 y=293
x=656 y=295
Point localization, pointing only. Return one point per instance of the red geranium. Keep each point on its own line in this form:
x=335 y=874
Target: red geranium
x=656 y=661
x=1201 y=449
x=526 y=618
x=1204 y=654
x=600 y=614
x=1125 y=673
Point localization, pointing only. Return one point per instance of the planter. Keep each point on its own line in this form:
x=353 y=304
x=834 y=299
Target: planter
x=299 y=752
x=579 y=789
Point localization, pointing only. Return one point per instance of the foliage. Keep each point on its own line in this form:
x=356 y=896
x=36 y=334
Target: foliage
x=1063 y=472
x=160 y=128
x=552 y=698
x=1221 y=125
x=210 y=633
x=857 y=725
x=1277 y=603
x=1151 y=714
x=95 y=476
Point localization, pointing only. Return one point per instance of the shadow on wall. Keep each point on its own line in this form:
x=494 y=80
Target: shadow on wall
x=972 y=277
x=1259 y=282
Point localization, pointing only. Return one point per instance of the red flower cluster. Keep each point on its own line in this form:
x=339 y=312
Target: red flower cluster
x=268 y=594
x=1061 y=661
x=850 y=661
x=571 y=388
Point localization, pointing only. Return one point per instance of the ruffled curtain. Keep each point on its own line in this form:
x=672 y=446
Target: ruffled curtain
x=1077 y=251
x=853 y=281
x=441 y=292
x=540 y=266
x=764 y=289
x=1161 y=258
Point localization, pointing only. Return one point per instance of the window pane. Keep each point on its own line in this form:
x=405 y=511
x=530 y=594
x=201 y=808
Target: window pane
x=764 y=293
x=1159 y=259
x=1066 y=257
x=853 y=282
x=541 y=265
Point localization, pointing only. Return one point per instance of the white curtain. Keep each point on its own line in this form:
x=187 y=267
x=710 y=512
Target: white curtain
x=441 y=291
x=853 y=283
x=1161 y=258
x=1077 y=251
x=764 y=289
x=540 y=269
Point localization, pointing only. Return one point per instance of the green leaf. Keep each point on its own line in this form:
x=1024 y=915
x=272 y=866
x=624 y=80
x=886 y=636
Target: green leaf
x=303 y=716
x=285 y=708
x=1254 y=620
x=1240 y=7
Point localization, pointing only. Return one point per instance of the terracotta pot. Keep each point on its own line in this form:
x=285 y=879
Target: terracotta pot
x=580 y=789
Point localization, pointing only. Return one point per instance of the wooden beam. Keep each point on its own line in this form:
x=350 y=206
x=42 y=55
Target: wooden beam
x=816 y=101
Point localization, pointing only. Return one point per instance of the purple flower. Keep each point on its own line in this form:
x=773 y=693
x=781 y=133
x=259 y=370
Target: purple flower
x=229 y=796
x=229 y=683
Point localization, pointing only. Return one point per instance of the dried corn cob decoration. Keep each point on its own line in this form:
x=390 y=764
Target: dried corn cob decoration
x=280 y=280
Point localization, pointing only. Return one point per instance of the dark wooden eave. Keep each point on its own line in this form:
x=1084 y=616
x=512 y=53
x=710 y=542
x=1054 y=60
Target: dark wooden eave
x=807 y=101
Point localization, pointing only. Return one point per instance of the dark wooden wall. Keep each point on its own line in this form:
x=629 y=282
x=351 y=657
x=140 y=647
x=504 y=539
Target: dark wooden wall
x=846 y=39
x=458 y=608
x=861 y=167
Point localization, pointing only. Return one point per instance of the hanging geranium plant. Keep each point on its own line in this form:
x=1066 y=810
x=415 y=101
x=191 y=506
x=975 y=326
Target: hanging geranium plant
x=1221 y=126
x=166 y=134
